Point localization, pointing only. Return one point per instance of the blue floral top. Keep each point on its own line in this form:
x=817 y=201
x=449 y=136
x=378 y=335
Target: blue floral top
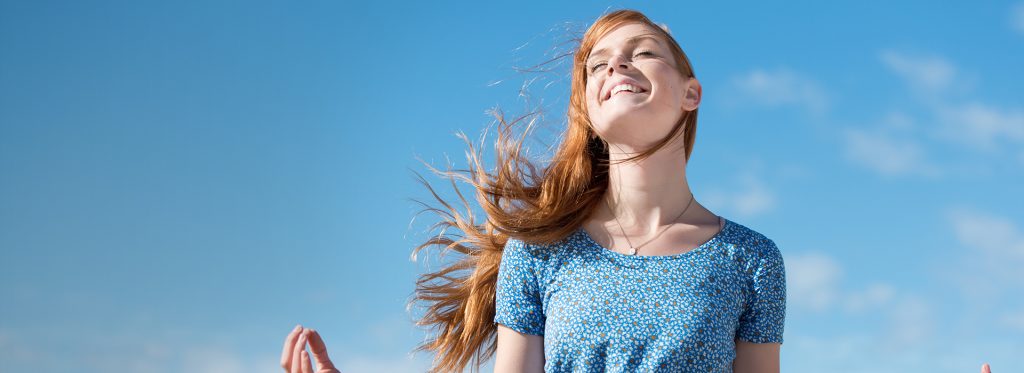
x=600 y=310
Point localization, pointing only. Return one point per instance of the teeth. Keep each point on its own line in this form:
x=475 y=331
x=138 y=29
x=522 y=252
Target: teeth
x=624 y=87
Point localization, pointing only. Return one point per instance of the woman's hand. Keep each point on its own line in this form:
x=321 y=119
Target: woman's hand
x=295 y=359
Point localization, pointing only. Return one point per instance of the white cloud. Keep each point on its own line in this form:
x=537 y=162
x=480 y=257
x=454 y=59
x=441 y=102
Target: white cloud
x=15 y=352
x=1014 y=320
x=874 y=296
x=817 y=353
x=898 y=148
x=977 y=125
x=989 y=235
x=755 y=198
x=887 y=153
x=124 y=350
x=911 y=323
x=992 y=255
x=384 y=364
x=182 y=356
x=781 y=88
x=388 y=328
x=1017 y=18
x=982 y=126
x=752 y=197
x=923 y=73
x=865 y=352
x=214 y=360
x=901 y=330
x=812 y=281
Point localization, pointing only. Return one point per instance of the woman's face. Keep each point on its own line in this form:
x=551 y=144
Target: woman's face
x=639 y=117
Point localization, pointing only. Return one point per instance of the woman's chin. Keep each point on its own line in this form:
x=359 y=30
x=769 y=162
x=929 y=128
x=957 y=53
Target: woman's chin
x=628 y=115
x=630 y=138
x=634 y=120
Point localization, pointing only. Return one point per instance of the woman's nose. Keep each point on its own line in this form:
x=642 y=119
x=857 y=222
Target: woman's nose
x=618 y=63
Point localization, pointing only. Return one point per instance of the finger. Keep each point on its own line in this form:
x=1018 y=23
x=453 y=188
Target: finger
x=289 y=344
x=319 y=348
x=985 y=368
x=300 y=346
x=307 y=367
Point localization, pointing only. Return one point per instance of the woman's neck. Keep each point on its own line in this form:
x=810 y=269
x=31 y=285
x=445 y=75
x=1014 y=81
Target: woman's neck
x=648 y=194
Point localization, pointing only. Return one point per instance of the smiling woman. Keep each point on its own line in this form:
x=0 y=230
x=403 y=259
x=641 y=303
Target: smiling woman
x=603 y=260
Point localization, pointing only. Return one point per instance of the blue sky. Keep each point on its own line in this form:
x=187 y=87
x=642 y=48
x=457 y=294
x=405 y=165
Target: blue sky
x=181 y=183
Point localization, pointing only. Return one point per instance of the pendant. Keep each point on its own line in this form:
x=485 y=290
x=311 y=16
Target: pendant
x=632 y=251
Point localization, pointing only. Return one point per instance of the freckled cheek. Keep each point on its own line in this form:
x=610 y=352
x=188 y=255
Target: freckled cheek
x=673 y=90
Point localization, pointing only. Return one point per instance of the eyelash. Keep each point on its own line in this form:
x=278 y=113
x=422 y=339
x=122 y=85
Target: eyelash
x=594 y=68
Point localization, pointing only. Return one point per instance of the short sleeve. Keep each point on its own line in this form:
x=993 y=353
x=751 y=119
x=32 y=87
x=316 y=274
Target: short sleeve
x=763 y=319
x=518 y=296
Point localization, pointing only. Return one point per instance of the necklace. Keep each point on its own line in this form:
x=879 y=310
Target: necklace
x=632 y=249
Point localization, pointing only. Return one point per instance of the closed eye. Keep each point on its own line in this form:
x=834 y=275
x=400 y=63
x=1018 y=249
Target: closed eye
x=599 y=64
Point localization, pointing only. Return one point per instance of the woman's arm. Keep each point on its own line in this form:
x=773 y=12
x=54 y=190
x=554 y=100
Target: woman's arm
x=756 y=357
x=518 y=352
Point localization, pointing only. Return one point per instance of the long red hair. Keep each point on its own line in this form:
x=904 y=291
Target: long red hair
x=522 y=202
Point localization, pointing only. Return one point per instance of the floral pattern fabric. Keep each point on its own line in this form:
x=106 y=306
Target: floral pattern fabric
x=599 y=310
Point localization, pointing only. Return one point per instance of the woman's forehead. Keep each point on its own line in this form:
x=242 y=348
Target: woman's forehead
x=632 y=33
x=626 y=31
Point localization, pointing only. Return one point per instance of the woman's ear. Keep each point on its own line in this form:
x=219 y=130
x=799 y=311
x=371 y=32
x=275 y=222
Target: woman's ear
x=691 y=100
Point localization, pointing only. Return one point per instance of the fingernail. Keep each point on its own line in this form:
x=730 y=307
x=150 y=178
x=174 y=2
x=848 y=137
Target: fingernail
x=297 y=328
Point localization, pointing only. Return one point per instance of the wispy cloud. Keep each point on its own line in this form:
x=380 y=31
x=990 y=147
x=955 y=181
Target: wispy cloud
x=812 y=281
x=988 y=234
x=219 y=360
x=872 y=297
x=887 y=153
x=902 y=321
x=754 y=199
x=992 y=249
x=973 y=124
x=900 y=338
x=864 y=352
x=384 y=364
x=144 y=351
x=982 y=126
x=890 y=148
x=1014 y=320
x=751 y=197
x=1017 y=18
x=778 y=88
x=950 y=119
x=923 y=73
x=912 y=322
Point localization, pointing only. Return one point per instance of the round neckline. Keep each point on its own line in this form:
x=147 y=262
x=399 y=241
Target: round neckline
x=617 y=255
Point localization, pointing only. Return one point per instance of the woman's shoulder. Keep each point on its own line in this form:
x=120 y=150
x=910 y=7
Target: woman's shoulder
x=544 y=252
x=746 y=240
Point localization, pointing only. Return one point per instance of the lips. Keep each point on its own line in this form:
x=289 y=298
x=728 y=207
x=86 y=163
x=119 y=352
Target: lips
x=625 y=91
x=608 y=92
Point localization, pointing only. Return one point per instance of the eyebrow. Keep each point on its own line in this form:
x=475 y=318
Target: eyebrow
x=630 y=41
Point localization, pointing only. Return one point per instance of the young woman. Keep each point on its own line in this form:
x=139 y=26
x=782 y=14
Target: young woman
x=603 y=260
